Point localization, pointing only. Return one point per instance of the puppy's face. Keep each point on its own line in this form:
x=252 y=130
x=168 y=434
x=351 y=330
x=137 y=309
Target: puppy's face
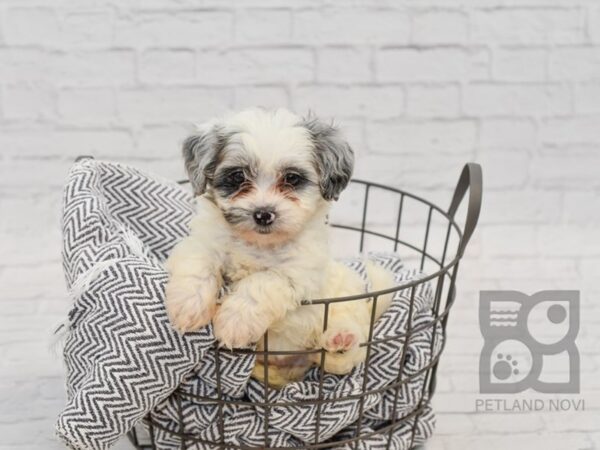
x=267 y=187
x=268 y=172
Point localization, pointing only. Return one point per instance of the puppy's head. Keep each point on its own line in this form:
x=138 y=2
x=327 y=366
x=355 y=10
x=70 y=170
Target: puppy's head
x=269 y=172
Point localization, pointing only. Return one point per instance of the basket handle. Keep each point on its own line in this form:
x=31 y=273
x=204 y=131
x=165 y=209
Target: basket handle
x=471 y=179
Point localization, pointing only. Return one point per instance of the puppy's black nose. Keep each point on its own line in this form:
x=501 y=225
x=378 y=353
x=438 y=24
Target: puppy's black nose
x=264 y=217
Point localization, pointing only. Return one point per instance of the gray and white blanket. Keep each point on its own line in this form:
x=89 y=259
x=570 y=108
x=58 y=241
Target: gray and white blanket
x=125 y=363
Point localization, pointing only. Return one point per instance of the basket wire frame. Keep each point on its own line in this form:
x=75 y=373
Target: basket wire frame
x=444 y=296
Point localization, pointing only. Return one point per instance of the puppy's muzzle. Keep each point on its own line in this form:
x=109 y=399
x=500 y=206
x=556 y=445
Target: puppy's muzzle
x=264 y=217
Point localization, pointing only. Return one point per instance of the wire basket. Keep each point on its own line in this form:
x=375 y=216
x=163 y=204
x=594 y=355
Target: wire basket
x=391 y=219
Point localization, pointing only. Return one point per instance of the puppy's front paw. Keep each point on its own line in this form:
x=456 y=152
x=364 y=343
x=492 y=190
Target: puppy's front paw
x=235 y=326
x=191 y=302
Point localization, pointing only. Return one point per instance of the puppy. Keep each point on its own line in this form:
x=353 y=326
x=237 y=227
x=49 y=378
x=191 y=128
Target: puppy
x=264 y=182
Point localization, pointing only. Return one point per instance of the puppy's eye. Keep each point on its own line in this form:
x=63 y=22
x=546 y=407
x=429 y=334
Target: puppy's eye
x=293 y=179
x=236 y=177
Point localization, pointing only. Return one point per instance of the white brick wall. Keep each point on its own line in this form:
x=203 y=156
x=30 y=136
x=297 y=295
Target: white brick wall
x=420 y=88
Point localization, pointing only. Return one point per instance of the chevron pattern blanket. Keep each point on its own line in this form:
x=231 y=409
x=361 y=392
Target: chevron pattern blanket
x=125 y=363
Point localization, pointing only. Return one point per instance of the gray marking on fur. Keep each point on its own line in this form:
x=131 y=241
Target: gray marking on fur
x=333 y=155
x=201 y=154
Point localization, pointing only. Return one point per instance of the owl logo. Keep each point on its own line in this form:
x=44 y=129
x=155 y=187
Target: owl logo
x=529 y=342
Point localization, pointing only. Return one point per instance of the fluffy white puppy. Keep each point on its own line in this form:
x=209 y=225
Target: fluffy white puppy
x=264 y=181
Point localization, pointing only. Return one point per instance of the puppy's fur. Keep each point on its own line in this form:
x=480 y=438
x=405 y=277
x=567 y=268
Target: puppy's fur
x=264 y=181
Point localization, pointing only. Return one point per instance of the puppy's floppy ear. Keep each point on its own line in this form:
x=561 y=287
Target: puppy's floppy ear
x=200 y=153
x=333 y=155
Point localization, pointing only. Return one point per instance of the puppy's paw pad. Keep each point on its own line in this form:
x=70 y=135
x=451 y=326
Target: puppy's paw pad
x=339 y=340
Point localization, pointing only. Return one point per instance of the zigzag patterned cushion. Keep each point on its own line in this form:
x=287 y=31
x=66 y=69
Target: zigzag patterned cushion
x=125 y=362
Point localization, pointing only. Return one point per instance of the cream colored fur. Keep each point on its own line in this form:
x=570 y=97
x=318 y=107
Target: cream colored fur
x=268 y=274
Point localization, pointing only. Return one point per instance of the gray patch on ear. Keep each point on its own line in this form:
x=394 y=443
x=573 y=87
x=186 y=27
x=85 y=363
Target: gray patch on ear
x=201 y=154
x=333 y=155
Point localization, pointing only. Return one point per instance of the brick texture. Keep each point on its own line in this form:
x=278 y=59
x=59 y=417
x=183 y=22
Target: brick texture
x=419 y=87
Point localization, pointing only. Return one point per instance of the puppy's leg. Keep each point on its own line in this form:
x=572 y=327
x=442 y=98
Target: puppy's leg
x=344 y=330
x=194 y=268
x=344 y=334
x=193 y=286
x=349 y=322
x=256 y=302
